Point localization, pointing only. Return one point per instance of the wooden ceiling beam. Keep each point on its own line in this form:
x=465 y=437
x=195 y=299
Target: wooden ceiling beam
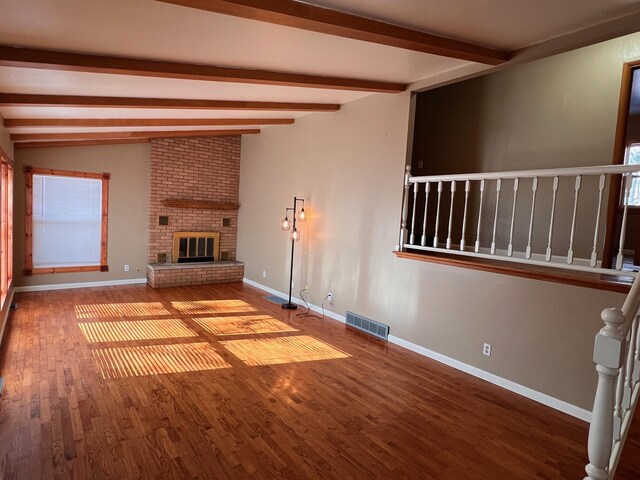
x=81 y=62
x=304 y=16
x=25 y=100
x=79 y=143
x=29 y=137
x=141 y=122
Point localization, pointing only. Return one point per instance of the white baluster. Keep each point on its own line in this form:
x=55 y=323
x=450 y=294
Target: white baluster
x=534 y=190
x=513 y=216
x=423 y=240
x=573 y=220
x=412 y=237
x=477 y=245
x=495 y=218
x=631 y=363
x=435 y=237
x=405 y=208
x=453 y=193
x=607 y=355
x=467 y=189
x=618 y=410
x=623 y=228
x=553 y=211
x=636 y=368
x=594 y=253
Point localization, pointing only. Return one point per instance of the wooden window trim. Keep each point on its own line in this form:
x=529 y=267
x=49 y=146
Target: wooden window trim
x=29 y=270
x=4 y=237
x=10 y=225
x=6 y=226
x=619 y=147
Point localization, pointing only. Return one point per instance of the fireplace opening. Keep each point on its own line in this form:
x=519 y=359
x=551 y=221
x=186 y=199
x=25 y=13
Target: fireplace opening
x=189 y=247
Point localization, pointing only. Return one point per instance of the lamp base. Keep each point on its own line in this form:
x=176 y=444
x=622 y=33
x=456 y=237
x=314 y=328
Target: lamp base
x=289 y=306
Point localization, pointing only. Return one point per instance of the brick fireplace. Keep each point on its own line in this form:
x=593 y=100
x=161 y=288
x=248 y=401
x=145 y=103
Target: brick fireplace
x=193 y=188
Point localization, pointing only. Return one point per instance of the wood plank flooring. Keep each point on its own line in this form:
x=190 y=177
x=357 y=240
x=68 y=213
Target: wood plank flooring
x=284 y=398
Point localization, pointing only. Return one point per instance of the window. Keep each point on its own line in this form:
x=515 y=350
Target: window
x=6 y=226
x=66 y=221
x=633 y=158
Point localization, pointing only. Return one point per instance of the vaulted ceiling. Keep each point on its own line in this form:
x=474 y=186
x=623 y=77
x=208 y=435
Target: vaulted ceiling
x=94 y=71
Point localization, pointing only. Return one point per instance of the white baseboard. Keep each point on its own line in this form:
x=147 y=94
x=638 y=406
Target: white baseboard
x=64 y=286
x=539 y=397
x=298 y=301
x=527 y=392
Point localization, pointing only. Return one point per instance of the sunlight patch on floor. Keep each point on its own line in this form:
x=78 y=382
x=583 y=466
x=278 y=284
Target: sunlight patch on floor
x=135 y=330
x=106 y=310
x=243 y=325
x=195 y=307
x=273 y=351
x=157 y=359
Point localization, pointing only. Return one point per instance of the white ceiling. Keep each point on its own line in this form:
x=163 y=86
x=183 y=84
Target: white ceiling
x=159 y=31
x=504 y=24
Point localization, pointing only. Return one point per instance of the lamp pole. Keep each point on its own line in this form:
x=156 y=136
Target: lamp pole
x=295 y=236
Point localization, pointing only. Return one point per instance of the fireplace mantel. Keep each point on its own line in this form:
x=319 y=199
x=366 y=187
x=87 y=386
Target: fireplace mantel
x=198 y=204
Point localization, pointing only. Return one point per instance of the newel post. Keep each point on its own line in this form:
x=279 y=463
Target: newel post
x=404 y=232
x=607 y=354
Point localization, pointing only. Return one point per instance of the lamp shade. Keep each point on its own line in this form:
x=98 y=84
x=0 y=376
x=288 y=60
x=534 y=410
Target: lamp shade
x=302 y=215
x=295 y=235
x=285 y=224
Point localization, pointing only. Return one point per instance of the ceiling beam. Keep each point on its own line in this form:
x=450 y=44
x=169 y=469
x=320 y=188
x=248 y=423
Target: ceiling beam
x=141 y=122
x=78 y=143
x=80 y=62
x=29 y=137
x=304 y=16
x=25 y=100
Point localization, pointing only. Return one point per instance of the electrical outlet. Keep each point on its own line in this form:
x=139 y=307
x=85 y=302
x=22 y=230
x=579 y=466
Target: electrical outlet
x=293 y=284
x=264 y=274
x=330 y=297
x=126 y=268
x=486 y=349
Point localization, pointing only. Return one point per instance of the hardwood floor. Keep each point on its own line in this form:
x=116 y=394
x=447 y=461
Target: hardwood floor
x=235 y=387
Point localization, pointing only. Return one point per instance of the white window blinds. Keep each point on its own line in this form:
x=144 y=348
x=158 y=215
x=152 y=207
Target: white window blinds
x=67 y=219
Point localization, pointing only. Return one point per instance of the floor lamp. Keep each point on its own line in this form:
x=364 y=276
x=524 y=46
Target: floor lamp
x=290 y=225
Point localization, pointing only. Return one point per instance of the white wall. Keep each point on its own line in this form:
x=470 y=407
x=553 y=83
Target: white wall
x=349 y=167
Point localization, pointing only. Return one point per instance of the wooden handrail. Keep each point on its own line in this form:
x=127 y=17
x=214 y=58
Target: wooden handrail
x=548 y=172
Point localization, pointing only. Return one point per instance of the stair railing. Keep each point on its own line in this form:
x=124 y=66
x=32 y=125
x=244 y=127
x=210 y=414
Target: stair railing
x=617 y=357
x=552 y=217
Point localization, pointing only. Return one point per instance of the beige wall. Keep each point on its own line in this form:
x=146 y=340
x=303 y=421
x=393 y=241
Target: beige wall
x=349 y=167
x=128 y=199
x=556 y=112
x=5 y=140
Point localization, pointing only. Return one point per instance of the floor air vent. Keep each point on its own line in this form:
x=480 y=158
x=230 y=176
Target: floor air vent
x=377 y=329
